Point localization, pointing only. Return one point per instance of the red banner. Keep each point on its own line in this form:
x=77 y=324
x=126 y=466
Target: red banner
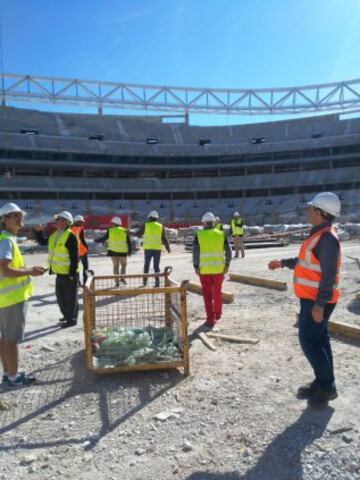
x=96 y=222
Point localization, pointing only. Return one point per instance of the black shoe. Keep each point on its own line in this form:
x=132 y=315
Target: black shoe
x=321 y=397
x=306 y=391
x=68 y=324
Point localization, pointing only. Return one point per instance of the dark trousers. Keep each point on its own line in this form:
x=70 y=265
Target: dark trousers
x=66 y=290
x=315 y=343
x=85 y=263
x=155 y=256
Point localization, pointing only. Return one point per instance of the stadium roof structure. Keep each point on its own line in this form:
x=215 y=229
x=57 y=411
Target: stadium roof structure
x=338 y=97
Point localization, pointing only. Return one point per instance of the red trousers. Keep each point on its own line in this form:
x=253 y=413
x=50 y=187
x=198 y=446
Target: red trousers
x=211 y=289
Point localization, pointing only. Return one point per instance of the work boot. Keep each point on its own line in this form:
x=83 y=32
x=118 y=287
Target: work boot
x=21 y=380
x=321 y=397
x=304 y=392
x=68 y=324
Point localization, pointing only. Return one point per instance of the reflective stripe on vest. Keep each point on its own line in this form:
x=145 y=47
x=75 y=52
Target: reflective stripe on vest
x=235 y=229
x=76 y=230
x=117 y=240
x=59 y=258
x=307 y=273
x=14 y=290
x=153 y=236
x=212 y=255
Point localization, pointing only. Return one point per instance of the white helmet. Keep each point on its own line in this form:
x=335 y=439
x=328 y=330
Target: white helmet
x=65 y=215
x=328 y=202
x=153 y=214
x=217 y=219
x=10 y=208
x=79 y=218
x=116 y=220
x=208 y=217
x=236 y=214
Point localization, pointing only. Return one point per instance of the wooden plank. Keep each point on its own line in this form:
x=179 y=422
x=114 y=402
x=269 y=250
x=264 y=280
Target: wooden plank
x=258 y=282
x=231 y=338
x=196 y=288
x=345 y=329
x=206 y=341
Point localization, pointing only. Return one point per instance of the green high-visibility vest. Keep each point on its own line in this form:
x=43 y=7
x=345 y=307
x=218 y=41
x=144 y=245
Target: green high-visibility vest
x=212 y=255
x=59 y=258
x=152 y=236
x=117 y=240
x=14 y=290
x=235 y=229
x=219 y=227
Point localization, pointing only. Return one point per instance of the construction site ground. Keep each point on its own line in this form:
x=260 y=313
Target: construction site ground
x=235 y=417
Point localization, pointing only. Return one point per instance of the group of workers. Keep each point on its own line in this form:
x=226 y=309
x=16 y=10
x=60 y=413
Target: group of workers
x=316 y=278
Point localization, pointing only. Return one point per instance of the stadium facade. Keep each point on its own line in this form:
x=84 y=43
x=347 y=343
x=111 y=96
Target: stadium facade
x=122 y=164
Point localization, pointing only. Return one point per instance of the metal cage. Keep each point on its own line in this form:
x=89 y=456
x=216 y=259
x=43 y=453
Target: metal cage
x=131 y=327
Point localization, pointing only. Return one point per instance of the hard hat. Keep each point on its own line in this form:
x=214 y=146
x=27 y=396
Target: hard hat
x=208 y=217
x=218 y=219
x=328 y=202
x=79 y=218
x=10 y=208
x=153 y=214
x=116 y=220
x=236 y=214
x=65 y=215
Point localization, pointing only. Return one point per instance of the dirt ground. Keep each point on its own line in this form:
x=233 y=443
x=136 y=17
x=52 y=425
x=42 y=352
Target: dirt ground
x=234 y=417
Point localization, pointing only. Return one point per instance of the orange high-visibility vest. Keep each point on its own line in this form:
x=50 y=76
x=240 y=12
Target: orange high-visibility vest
x=76 y=230
x=307 y=273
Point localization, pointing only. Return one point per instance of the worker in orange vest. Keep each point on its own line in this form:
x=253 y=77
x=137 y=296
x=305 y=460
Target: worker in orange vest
x=79 y=231
x=316 y=280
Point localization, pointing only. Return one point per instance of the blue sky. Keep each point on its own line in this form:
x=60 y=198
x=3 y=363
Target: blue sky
x=214 y=43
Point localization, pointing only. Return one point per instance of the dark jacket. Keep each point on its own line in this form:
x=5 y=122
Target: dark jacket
x=111 y=253
x=327 y=251
x=196 y=251
x=72 y=246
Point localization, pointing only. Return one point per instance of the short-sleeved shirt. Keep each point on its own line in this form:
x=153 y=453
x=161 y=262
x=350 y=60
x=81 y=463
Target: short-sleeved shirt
x=6 y=248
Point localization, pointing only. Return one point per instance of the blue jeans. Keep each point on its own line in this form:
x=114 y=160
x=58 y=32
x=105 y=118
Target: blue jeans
x=155 y=256
x=315 y=343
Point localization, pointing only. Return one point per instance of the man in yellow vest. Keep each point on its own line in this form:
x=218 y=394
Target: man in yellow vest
x=63 y=261
x=119 y=246
x=316 y=280
x=154 y=237
x=211 y=260
x=15 y=291
x=237 y=232
x=79 y=231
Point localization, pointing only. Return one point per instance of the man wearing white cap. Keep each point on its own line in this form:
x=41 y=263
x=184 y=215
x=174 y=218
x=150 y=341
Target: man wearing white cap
x=119 y=246
x=211 y=260
x=63 y=261
x=15 y=291
x=237 y=232
x=154 y=237
x=79 y=231
x=316 y=284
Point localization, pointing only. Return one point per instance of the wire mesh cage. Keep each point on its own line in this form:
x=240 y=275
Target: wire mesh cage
x=130 y=326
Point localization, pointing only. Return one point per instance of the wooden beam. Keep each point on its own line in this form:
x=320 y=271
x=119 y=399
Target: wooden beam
x=258 y=282
x=231 y=338
x=206 y=341
x=345 y=329
x=196 y=288
x=341 y=328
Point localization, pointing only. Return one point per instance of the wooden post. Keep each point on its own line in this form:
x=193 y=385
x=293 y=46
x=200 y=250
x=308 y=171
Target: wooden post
x=168 y=320
x=258 y=282
x=184 y=328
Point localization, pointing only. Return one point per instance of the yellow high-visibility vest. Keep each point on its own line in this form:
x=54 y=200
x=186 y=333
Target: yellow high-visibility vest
x=153 y=236
x=59 y=258
x=235 y=229
x=212 y=255
x=14 y=290
x=117 y=240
